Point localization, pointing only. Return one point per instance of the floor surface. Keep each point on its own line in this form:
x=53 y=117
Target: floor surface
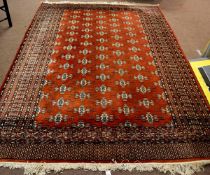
x=190 y=20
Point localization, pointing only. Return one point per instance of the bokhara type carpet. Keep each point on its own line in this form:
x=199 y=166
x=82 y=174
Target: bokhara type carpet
x=102 y=83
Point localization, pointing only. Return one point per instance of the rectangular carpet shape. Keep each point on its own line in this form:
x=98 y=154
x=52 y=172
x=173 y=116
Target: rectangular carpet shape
x=102 y=83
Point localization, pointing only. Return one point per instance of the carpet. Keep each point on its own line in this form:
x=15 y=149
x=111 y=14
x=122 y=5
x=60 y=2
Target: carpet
x=102 y=83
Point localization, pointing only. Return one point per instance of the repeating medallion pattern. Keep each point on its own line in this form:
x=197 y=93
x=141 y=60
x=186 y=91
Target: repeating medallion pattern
x=101 y=73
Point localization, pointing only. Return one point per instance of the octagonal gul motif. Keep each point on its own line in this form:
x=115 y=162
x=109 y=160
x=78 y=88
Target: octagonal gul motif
x=142 y=89
x=62 y=89
x=60 y=102
x=103 y=77
x=81 y=110
x=122 y=83
x=83 y=82
x=82 y=95
x=66 y=66
x=102 y=66
x=102 y=57
x=58 y=118
x=126 y=110
x=124 y=96
x=67 y=57
x=103 y=102
x=121 y=72
x=104 y=118
x=103 y=89
x=84 y=61
x=136 y=58
x=83 y=71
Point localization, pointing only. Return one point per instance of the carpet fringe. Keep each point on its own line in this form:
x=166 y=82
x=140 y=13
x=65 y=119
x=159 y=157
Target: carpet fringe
x=182 y=168
x=97 y=2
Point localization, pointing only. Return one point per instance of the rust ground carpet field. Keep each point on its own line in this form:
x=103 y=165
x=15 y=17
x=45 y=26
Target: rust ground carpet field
x=102 y=83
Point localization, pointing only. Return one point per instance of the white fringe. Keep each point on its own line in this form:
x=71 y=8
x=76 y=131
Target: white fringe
x=97 y=2
x=183 y=168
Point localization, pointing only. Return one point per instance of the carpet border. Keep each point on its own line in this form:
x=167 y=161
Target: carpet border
x=184 y=56
x=108 y=157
